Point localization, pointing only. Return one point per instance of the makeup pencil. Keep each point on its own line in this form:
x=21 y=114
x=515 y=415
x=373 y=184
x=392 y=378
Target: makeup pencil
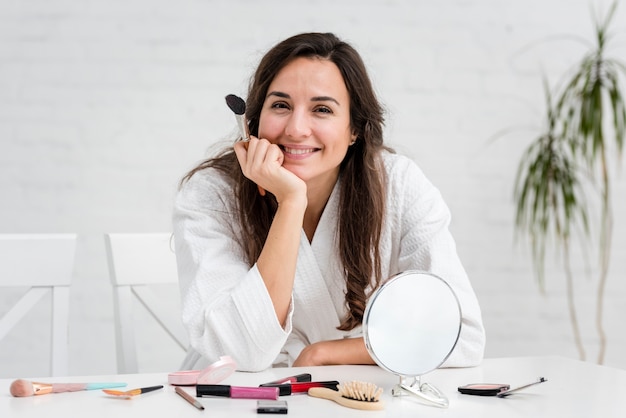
x=188 y=397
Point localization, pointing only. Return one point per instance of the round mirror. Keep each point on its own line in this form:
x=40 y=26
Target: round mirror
x=411 y=324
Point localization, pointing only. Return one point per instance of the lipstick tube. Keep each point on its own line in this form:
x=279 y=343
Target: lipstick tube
x=300 y=387
x=303 y=377
x=240 y=392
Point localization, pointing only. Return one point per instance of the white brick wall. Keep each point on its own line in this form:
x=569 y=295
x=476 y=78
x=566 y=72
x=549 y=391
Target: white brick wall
x=105 y=104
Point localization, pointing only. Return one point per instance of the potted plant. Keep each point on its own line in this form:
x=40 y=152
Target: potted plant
x=585 y=122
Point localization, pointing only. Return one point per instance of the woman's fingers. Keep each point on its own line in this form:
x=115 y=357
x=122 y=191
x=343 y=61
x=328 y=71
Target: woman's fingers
x=261 y=162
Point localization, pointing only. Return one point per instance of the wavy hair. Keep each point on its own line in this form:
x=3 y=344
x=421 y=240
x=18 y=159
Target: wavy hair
x=362 y=195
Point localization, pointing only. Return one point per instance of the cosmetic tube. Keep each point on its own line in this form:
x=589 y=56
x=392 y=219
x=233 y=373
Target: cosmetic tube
x=240 y=392
x=303 y=387
x=303 y=377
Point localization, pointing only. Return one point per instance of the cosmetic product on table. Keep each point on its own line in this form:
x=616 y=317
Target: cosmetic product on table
x=301 y=387
x=132 y=392
x=240 y=392
x=194 y=402
x=271 y=407
x=214 y=373
x=21 y=387
x=303 y=377
x=511 y=391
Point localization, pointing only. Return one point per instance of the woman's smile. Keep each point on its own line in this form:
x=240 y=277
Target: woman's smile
x=298 y=152
x=307 y=114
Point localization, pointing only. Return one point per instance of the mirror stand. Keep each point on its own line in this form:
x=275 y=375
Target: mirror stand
x=423 y=391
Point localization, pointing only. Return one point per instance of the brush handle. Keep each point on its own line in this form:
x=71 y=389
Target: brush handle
x=333 y=395
x=104 y=385
x=75 y=387
x=242 y=124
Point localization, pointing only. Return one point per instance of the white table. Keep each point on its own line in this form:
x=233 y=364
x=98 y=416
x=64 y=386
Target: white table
x=573 y=389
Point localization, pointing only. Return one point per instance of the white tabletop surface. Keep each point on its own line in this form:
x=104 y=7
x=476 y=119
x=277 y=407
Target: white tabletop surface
x=573 y=389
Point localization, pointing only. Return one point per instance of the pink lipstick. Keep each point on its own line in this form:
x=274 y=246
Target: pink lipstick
x=303 y=377
x=302 y=387
x=240 y=392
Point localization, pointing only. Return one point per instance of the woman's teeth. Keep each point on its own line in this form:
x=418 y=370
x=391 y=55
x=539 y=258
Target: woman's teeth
x=298 y=151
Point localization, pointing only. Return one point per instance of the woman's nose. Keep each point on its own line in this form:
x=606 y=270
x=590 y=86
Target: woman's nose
x=298 y=125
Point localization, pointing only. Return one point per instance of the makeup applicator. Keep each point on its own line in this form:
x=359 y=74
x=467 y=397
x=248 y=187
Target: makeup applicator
x=238 y=106
x=20 y=387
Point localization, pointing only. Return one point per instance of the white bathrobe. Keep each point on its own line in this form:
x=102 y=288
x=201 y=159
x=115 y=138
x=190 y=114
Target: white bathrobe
x=226 y=307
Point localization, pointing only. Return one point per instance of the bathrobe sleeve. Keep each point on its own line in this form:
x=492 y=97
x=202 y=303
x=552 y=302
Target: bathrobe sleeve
x=419 y=214
x=225 y=305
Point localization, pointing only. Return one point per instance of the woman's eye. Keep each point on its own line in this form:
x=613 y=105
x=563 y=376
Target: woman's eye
x=280 y=105
x=323 y=109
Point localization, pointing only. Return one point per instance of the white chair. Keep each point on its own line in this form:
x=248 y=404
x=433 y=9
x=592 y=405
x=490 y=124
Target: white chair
x=137 y=262
x=43 y=263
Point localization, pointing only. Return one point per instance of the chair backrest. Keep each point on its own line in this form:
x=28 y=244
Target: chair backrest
x=42 y=263
x=137 y=262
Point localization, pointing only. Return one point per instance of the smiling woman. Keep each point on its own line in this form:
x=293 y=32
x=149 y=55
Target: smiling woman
x=284 y=278
x=307 y=114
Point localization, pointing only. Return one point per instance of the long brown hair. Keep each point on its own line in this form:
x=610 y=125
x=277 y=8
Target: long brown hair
x=362 y=198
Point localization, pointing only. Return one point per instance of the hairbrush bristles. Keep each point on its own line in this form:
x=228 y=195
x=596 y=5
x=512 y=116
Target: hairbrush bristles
x=236 y=104
x=360 y=391
x=356 y=395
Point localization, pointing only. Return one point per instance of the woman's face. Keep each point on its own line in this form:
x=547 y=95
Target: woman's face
x=307 y=114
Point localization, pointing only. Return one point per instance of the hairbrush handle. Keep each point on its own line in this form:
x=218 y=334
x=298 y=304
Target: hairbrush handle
x=333 y=395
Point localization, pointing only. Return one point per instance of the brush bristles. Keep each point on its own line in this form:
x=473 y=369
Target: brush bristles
x=360 y=391
x=236 y=104
x=21 y=388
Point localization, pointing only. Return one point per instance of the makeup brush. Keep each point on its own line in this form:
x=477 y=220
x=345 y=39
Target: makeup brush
x=132 y=392
x=238 y=106
x=20 y=388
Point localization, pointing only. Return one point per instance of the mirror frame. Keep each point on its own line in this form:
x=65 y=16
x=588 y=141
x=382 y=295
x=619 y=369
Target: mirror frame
x=372 y=302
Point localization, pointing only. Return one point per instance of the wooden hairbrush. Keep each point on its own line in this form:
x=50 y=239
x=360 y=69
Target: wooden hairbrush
x=356 y=395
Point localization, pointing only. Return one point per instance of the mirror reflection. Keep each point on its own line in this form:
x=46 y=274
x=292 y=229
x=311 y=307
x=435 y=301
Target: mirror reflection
x=411 y=325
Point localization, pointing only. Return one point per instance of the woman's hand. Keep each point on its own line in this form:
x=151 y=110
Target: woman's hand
x=333 y=352
x=262 y=162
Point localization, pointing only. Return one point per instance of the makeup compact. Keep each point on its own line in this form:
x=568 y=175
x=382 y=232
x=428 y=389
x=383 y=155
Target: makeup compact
x=483 y=389
x=500 y=390
x=212 y=374
x=271 y=407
